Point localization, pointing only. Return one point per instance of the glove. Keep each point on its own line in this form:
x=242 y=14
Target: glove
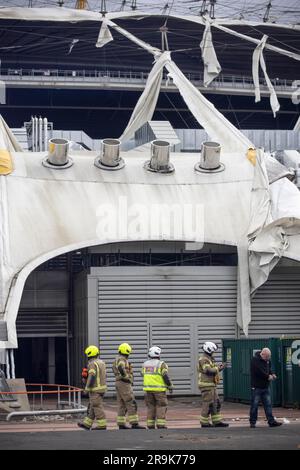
x=170 y=390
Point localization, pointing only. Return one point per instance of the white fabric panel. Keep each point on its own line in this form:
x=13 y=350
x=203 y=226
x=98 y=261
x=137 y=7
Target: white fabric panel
x=285 y=199
x=273 y=241
x=260 y=215
x=265 y=252
x=212 y=68
x=260 y=198
x=105 y=35
x=276 y=170
x=145 y=107
x=215 y=124
x=49 y=14
x=257 y=59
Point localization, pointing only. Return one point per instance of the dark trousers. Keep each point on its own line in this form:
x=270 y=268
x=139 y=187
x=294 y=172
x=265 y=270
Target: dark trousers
x=263 y=395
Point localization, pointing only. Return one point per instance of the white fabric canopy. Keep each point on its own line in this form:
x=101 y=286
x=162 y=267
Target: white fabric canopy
x=257 y=59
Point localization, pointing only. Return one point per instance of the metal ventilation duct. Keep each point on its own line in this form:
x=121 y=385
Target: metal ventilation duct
x=58 y=154
x=210 y=158
x=160 y=157
x=110 y=155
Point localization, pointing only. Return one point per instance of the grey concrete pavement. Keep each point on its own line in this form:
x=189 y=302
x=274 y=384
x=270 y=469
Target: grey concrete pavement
x=243 y=438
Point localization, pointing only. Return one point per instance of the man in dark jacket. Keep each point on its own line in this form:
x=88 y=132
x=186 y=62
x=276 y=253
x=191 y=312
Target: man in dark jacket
x=261 y=377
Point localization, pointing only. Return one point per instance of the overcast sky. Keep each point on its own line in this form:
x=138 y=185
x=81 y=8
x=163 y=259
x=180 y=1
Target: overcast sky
x=281 y=11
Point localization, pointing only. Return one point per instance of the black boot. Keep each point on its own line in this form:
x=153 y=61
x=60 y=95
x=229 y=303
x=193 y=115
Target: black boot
x=83 y=426
x=123 y=426
x=221 y=425
x=137 y=426
x=206 y=425
x=275 y=424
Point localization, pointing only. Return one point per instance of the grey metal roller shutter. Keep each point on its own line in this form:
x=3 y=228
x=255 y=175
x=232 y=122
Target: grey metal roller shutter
x=276 y=305
x=44 y=305
x=42 y=323
x=175 y=307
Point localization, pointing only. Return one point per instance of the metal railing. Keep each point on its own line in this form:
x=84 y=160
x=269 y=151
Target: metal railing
x=42 y=405
x=135 y=77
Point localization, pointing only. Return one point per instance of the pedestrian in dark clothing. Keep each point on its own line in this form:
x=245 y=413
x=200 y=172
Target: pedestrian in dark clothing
x=261 y=377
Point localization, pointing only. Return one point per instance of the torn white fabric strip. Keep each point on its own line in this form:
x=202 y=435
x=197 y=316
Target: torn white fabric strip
x=260 y=214
x=105 y=35
x=255 y=70
x=212 y=68
x=7 y=138
x=243 y=315
x=290 y=54
x=153 y=50
x=146 y=104
x=258 y=58
x=215 y=124
x=75 y=41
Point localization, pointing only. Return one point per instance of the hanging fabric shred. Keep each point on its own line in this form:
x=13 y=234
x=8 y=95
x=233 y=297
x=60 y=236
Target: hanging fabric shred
x=74 y=41
x=146 y=104
x=216 y=125
x=257 y=59
x=212 y=68
x=105 y=35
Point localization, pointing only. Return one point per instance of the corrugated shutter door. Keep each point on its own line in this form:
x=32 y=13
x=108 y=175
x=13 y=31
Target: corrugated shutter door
x=177 y=343
x=276 y=305
x=44 y=305
x=42 y=323
x=166 y=305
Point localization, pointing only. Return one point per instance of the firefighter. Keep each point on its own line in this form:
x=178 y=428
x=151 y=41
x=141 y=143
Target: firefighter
x=96 y=388
x=209 y=377
x=124 y=379
x=156 y=383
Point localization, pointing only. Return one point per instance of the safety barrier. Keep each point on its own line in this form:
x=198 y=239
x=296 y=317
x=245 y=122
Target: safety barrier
x=72 y=405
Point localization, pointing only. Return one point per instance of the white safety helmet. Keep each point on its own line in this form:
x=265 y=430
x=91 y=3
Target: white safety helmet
x=154 y=352
x=209 y=347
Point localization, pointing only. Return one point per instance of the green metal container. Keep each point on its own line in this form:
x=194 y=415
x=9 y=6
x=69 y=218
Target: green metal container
x=290 y=372
x=237 y=353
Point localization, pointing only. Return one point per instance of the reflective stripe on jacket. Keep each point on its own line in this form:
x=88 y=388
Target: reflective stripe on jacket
x=208 y=370
x=153 y=372
x=96 y=381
